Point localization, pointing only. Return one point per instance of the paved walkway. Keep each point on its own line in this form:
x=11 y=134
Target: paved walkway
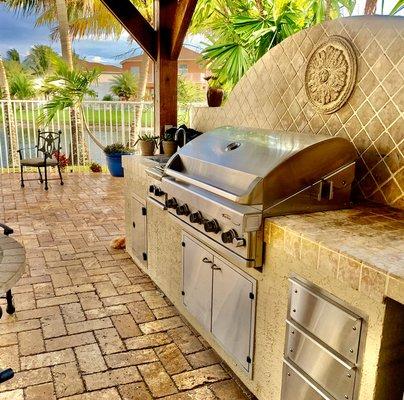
x=89 y=324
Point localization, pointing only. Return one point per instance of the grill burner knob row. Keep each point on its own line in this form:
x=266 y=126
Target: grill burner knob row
x=211 y=226
x=229 y=236
x=183 y=210
x=196 y=218
x=171 y=203
x=156 y=190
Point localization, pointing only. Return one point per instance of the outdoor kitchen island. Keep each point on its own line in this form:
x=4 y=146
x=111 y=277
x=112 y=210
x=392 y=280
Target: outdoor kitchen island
x=346 y=263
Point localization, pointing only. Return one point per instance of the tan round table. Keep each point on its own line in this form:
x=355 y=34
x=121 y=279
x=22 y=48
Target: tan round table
x=12 y=266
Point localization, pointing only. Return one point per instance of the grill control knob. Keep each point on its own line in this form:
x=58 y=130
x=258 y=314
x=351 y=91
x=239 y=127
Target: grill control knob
x=227 y=237
x=171 y=203
x=152 y=188
x=211 y=226
x=239 y=241
x=158 y=192
x=182 y=210
x=196 y=217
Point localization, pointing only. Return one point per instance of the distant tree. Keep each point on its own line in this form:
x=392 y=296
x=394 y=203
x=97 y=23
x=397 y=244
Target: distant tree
x=42 y=60
x=22 y=86
x=13 y=55
x=125 y=86
x=108 y=97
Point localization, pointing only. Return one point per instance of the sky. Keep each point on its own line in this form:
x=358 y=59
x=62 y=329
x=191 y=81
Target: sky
x=24 y=35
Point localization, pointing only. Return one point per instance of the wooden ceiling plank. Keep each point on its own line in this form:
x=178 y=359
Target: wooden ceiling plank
x=182 y=20
x=136 y=25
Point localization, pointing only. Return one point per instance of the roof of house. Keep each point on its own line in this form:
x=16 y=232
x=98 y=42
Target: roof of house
x=106 y=68
x=185 y=54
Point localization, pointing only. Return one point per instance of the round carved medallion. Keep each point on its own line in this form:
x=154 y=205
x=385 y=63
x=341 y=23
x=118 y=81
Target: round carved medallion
x=331 y=74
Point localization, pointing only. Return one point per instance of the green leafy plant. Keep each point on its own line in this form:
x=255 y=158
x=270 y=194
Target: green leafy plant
x=147 y=137
x=117 y=148
x=95 y=167
x=124 y=86
x=108 y=97
x=21 y=86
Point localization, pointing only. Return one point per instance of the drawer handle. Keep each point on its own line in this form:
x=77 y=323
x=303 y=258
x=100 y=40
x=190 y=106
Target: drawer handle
x=216 y=268
x=206 y=260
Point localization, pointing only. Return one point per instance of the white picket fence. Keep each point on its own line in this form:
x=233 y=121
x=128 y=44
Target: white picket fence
x=111 y=121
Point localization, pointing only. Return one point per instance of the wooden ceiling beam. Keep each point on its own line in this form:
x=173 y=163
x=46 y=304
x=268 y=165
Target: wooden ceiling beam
x=180 y=24
x=136 y=25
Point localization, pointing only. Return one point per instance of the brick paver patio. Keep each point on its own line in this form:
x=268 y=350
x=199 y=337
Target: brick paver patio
x=89 y=324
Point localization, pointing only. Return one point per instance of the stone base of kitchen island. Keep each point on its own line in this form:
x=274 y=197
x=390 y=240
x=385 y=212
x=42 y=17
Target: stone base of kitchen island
x=164 y=266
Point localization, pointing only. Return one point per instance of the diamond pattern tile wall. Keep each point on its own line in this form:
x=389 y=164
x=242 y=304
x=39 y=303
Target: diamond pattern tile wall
x=272 y=95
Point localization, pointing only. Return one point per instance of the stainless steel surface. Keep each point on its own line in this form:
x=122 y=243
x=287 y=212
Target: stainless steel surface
x=233 y=311
x=222 y=298
x=296 y=386
x=330 y=372
x=337 y=327
x=228 y=180
x=161 y=206
x=267 y=166
x=139 y=226
x=197 y=281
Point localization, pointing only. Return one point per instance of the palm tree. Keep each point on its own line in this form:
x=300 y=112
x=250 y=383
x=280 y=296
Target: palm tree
x=41 y=60
x=13 y=55
x=12 y=140
x=69 y=88
x=21 y=86
x=124 y=86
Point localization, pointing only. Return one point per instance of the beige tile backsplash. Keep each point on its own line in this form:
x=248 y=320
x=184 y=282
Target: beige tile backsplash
x=272 y=95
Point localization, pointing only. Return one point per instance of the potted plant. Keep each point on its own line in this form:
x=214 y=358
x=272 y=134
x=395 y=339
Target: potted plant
x=95 y=167
x=215 y=92
x=114 y=154
x=147 y=143
x=169 y=143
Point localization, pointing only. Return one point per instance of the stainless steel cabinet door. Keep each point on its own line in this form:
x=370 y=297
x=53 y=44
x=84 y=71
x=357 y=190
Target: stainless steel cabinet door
x=139 y=236
x=197 y=281
x=233 y=312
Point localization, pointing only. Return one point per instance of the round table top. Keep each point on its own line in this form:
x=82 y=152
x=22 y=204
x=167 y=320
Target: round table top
x=12 y=262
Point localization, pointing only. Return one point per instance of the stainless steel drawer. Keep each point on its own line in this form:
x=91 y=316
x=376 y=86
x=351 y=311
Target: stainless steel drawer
x=331 y=323
x=295 y=386
x=324 y=367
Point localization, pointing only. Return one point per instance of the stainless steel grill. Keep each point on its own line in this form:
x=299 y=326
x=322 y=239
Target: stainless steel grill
x=221 y=185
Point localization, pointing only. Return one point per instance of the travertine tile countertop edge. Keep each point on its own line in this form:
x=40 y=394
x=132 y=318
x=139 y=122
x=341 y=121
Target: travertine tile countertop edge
x=362 y=247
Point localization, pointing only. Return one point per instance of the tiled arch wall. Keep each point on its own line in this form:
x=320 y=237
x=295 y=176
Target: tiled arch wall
x=272 y=95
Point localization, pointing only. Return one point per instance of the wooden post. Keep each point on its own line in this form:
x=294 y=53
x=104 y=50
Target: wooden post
x=165 y=68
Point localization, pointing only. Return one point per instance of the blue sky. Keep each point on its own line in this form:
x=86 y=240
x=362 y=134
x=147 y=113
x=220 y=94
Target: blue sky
x=24 y=35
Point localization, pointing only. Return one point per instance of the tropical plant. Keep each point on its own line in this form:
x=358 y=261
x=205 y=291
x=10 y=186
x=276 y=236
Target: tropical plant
x=397 y=7
x=124 y=86
x=147 y=137
x=188 y=91
x=242 y=31
x=42 y=60
x=68 y=89
x=117 y=148
x=13 y=55
x=21 y=86
x=108 y=97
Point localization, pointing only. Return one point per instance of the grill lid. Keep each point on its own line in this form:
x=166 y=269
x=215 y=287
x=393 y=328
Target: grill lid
x=257 y=166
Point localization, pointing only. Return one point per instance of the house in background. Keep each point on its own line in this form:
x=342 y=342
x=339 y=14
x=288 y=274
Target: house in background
x=188 y=67
x=108 y=72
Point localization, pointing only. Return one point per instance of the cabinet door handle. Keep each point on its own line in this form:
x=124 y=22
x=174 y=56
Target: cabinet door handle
x=216 y=268
x=206 y=260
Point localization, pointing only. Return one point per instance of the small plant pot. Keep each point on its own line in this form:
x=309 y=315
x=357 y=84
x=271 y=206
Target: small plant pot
x=169 y=147
x=215 y=97
x=147 y=147
x=114 y=163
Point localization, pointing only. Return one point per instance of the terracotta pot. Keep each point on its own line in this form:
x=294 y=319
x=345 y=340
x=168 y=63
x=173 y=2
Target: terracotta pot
x=215 y=97
x=169 y=147
x=147 y=148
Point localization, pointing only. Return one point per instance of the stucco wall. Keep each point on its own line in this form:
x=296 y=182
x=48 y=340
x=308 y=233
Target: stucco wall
x=272 y=95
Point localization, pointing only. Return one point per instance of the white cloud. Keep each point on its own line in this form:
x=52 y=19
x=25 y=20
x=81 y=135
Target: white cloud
x=97 y=59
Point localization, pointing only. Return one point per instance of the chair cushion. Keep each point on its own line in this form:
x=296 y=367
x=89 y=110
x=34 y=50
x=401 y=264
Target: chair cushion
x=38 y=162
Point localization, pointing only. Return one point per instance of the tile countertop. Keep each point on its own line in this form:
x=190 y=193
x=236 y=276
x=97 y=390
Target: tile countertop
x=371 y=235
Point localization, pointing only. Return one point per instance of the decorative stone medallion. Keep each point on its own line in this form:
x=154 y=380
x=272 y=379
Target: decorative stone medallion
x=331 y=74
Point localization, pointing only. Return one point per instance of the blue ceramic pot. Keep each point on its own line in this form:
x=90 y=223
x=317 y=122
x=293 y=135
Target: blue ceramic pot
x=114 y=163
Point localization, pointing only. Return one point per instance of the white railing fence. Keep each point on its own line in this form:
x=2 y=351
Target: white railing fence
x=110 y=121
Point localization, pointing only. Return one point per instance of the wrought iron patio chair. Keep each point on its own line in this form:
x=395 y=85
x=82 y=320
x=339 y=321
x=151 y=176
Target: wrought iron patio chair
x=47 y=155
